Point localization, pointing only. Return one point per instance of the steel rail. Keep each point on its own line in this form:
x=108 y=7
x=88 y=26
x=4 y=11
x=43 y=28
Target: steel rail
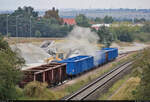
x=83 y=93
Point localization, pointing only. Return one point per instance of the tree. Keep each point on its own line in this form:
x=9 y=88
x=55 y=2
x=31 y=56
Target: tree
x=108 y=19
x=9 y=35
x=123 y=33
x=53 y=14
x=3 y=23
x=25 y=12
x=38 y=33
x=142 y=20
x=98 y=20
x=3 y=44
x=142 y=69
x=26 y=18
x=10 y=74
x=21 y=17
x=146 y=27
x=105 y=36
x=82 y=20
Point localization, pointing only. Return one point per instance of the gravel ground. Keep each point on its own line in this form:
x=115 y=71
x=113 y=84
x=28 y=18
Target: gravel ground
x=133 y=47
x=32 y=54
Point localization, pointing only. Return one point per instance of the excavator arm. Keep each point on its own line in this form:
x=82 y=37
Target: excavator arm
x=58 y=57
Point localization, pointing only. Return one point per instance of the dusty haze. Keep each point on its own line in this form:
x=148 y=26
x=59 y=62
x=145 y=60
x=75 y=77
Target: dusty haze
x=80 y=41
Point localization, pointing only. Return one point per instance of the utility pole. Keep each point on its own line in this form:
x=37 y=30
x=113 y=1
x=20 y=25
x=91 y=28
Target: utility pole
x=30 y=26
x=133 y=20
x=112 y=37
x=16 y=28
x=7 y=25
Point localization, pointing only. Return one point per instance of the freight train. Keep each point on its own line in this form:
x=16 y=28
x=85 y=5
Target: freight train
x=57 y=72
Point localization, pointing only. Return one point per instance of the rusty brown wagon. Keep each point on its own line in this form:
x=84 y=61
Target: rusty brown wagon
x=52 y=73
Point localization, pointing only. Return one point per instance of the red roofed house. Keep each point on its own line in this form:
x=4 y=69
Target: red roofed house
x=69 y=21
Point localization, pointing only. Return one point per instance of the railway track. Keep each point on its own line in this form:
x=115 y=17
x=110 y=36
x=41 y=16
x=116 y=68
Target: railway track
x=121 y=55
x=98 y=83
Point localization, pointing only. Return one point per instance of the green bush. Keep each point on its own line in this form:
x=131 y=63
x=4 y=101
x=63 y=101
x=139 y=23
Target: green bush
x=19 y=91
x=38 y=90
x=123 y=33
x=35 y=89
x=10 y=74
x=142 y=70
x=146 y=27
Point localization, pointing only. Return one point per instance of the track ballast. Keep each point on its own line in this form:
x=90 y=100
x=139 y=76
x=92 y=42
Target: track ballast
x=99 y=82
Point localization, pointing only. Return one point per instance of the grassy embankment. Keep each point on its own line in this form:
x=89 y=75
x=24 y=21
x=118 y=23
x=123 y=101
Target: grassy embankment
x=126 y=90
x=122 y=89
x=114 y=87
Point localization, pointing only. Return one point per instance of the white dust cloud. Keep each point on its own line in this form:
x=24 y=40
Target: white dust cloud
x=80 y=41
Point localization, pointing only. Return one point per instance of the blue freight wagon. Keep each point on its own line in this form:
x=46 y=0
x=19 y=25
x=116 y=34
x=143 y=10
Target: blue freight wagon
x=78 y=64
x=111 y=53
x=100 y=57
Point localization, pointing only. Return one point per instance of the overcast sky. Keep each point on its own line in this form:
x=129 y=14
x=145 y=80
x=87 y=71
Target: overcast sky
x=81 y=4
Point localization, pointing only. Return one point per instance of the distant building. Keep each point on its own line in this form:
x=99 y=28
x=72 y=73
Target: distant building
x=69 y=21
x=97 y=26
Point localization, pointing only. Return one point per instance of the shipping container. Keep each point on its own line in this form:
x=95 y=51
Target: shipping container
x=52 y=73
x=111 y=53
x=78 y=64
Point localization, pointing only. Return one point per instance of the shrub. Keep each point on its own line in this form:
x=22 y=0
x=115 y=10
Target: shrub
x=35 y=89
x=38 y=90
x=10 y=74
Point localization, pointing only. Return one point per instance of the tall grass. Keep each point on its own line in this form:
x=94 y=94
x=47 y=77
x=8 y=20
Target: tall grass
x=38 y=91
x=126 y=91
x=114 y=87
